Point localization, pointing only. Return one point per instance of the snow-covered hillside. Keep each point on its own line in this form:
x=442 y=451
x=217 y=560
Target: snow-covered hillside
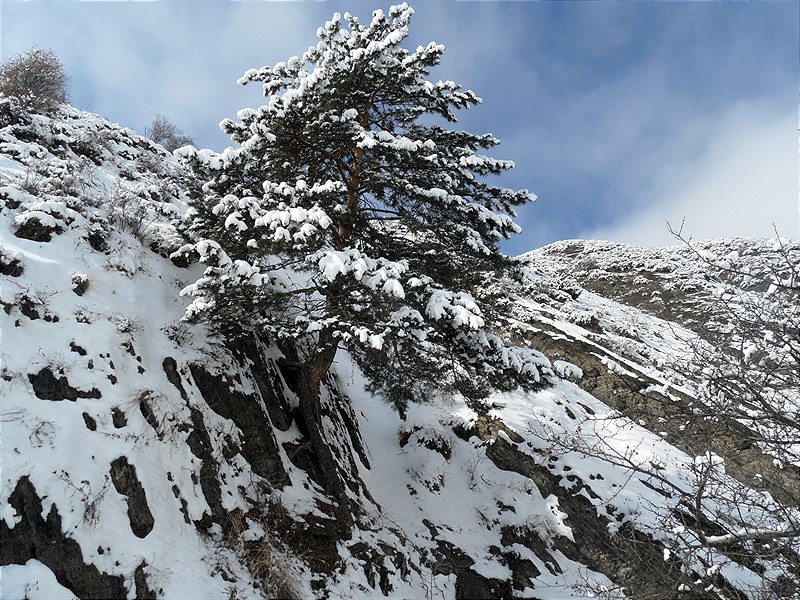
x=143 y=457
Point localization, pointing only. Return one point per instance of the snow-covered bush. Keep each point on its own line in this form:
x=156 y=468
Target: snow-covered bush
x=41 y=219
x=35 y=79
x=585 y=318
x=81 y=282
x=128 y=212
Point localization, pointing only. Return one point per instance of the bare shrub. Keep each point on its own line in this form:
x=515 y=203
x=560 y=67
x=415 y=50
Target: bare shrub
x=128 y=211
x=165 y=132
x=272 y=563
x=36 y=79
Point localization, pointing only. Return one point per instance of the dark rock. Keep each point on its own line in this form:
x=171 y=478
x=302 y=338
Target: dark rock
x=171 y=371
x=259 y=447
x=523 y=571
x=91 y=423
x=97 y=240
x=470 y=584
x=75 y=348
x=184 y=505
x=200 y=445
x=438 y=444
x=12 y=268
x=375 y=567
x=148 y=414
x=36 y=231
x=41 y=538
x=123 y=476
x=448 y=558
x=180 y=260
x=143 y=591
x=268 y=381
x=530 y=538
x=47 y=387
x=29 y=307
x=118 y=418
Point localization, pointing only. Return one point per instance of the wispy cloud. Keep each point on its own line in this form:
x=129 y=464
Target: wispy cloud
x=744 y=182
x=620 y=116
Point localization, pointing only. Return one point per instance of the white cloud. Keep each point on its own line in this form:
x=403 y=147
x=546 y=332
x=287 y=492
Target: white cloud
x=612 y=112
x=742 y=183
x=130 y=61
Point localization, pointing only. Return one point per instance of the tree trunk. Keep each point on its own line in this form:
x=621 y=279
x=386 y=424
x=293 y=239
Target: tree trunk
x=309 y=376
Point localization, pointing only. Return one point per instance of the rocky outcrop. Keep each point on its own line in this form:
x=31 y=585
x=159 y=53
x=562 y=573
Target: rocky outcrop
x=123 y=476
x=47 y=386
x=41 y=537
x=259 y=447
x=628 y=557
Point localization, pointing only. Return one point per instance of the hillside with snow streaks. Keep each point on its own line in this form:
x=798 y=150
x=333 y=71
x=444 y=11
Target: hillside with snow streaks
x=143 y=457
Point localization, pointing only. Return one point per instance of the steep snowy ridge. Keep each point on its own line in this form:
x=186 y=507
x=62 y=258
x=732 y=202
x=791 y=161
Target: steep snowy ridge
x=673 y=283
x=144 y=458
x=90 y=317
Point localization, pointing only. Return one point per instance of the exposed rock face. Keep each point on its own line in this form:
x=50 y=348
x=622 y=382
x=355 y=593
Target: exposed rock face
x=470 y=584
x=628 y=557
x=259 y=448
x=47 y=387
x=200 y=444
x=123 y=475
x=42 y=538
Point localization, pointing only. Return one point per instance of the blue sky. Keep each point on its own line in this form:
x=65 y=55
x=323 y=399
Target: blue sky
x=620 y=116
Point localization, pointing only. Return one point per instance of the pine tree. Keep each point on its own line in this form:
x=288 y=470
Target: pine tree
x=344 y=220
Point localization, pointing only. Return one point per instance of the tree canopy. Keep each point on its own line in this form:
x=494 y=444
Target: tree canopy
x=344 y=219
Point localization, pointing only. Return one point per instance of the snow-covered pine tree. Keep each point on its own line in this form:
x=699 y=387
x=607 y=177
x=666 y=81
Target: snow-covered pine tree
x=344 y=220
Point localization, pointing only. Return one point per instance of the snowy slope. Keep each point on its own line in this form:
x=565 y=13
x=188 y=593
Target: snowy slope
x=87 y=323
x=142 y=457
